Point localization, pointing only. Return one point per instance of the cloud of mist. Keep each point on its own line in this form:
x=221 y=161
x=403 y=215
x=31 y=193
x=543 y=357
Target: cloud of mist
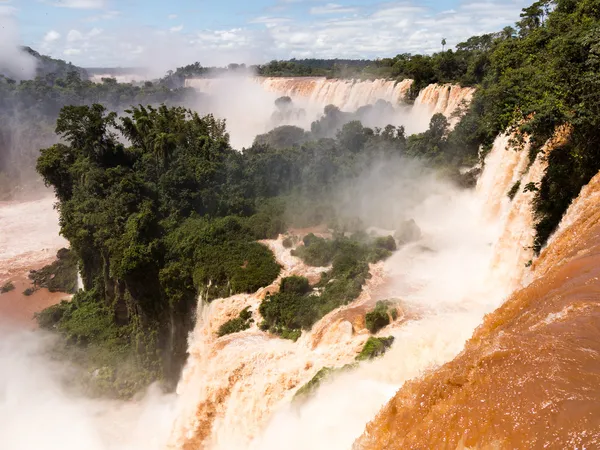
x=14 y=63
x=249 y=109
x=37 y=411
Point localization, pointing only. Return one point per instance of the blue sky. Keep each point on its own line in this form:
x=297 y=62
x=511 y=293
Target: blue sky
x=162 y=34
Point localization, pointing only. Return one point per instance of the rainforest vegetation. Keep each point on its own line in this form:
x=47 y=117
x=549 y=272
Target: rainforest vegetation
x=159 y=208
x=29 y=110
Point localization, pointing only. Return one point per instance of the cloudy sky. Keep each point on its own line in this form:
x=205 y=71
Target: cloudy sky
x=168 y=33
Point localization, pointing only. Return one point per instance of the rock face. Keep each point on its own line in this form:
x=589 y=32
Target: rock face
x=529 y=376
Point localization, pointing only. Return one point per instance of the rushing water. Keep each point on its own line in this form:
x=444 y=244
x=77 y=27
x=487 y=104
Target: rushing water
x=235 y=391
x=529 y=376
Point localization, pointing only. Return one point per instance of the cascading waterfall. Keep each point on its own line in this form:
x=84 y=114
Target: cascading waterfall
x=245 y=101
x=348 y=95
x=236 y=390
x=529 y=376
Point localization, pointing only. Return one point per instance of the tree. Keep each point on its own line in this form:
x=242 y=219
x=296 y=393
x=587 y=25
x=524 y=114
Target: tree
x=443 y=44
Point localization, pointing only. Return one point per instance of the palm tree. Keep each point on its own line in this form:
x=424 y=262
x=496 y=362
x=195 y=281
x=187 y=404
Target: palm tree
x=443 y=43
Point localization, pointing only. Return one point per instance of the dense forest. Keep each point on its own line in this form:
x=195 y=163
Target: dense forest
x=159 y=208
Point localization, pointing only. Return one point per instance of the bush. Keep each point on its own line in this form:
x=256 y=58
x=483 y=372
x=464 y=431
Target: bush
x=288 y=242
x=375 y=347
x=387 y=243
x=294 y=308
x=378 y=318
x=29 y=291
x=240 y=323
x=7 y=287
x=316 y=252
x=295 y=285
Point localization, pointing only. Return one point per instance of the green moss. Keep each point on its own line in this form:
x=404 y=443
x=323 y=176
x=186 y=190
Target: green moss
x=240 y=323
x=7 y=287
x=375 y=347
x=60 y=276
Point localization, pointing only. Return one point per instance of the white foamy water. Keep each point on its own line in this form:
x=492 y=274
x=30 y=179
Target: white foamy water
x=238 y=393
x=235 y=392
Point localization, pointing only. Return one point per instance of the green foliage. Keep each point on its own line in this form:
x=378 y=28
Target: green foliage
x=375 y=347
x=378 y=318
x=116 y=361
x=295 y=285
x=514 y=190
x=296 y=308
x=7 y=287
x=240 y=323
x=60 y=276
x=29 y=291
x=386 y=243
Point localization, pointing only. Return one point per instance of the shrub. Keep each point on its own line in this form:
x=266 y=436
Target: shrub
x=387 y=243
x=240 y=323
x=295 y=285
x=316 y=252
x=29 y=291
x=378 y=318
x=7 y=287
x=375 y=347
x=288 y=242
x=294 y=308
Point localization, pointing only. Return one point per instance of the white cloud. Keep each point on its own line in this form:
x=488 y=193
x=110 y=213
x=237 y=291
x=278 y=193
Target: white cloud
x=332 y=8
x=80 y=4
x=172 y=16
x=74 y=35
x=369 y=32
x=72 y=51
x=51 y=36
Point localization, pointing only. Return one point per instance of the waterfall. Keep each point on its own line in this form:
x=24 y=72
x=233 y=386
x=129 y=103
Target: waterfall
x=80 y=286
x=248 y=103
x=236 y=390
x=528 y=377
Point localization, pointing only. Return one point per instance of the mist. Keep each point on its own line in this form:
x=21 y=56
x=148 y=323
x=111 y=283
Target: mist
x=14 y=62
x=440 y=281
x=38 y=411
x=249 y=109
